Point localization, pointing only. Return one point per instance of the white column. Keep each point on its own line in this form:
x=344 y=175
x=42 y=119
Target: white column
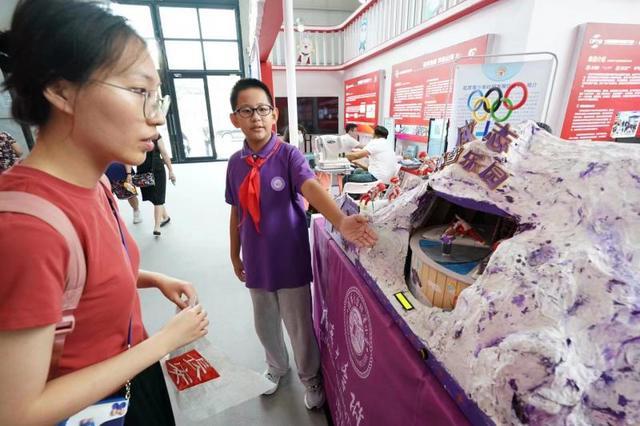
x=290 y=63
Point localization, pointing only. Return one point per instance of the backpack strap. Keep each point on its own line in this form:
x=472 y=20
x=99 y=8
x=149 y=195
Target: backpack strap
x=33 y=205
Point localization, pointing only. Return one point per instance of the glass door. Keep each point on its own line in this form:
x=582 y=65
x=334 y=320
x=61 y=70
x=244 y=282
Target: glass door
x=198 y=52
x=194 y=132
x=227 y=139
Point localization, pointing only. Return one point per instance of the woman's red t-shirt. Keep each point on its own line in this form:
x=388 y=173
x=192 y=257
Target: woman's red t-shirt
x=34 y=260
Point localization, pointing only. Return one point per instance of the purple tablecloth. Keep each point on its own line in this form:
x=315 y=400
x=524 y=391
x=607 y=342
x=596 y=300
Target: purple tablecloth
x=373 y=375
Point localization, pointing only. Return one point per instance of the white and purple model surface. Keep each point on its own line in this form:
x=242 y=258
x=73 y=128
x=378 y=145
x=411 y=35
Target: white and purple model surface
x=550 y=332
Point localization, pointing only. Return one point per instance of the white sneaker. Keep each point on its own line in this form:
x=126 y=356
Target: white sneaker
x=314 y=397
x=136 y=217
x=275 y=380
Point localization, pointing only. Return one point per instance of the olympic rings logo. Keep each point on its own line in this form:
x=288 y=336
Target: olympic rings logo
x=490 y=107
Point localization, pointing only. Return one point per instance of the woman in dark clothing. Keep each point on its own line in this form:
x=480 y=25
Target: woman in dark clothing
x=155 y=162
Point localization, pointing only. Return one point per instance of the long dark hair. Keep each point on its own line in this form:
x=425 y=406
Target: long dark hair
x=52 y=40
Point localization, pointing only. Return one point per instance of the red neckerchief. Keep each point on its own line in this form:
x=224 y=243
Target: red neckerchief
x=250 y=187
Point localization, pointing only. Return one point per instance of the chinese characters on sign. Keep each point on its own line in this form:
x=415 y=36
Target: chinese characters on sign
x=421 y=88
x=356 y=409
x=189 y=370
x=471 y=161
x=494 y=175
x=362 y=101
x=498 y=141
x=465 y=133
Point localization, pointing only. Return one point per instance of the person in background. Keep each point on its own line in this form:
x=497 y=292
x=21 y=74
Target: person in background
x=383 y=164
x=302 y=134
x=86 y=80
x=155 y=162
x=349 y=141
x=10 y=151
x=264 y=183
x=118 y=174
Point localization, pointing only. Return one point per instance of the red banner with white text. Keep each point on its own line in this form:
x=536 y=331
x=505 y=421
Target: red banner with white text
x=421 y=87
x=362 y=101
x=604 y=103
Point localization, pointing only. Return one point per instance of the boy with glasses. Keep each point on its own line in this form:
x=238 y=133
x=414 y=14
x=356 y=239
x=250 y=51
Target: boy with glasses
x=265 y=181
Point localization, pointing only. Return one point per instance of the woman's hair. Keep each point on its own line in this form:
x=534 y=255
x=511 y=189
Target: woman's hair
x=52 y=40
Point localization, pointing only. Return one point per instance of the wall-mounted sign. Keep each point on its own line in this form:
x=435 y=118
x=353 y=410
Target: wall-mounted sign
x=362 y=101
x=421 y=88
x=604 y=102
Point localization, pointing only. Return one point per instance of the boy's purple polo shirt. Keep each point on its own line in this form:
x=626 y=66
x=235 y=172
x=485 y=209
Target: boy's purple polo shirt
x=279 y=257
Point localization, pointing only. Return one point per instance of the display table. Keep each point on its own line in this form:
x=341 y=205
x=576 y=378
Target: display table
x=373 y=374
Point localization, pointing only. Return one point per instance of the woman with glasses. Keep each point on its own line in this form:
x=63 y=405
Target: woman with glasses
x=84 y=78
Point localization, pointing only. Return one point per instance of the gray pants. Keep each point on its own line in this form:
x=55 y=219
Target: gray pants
x=293 y=306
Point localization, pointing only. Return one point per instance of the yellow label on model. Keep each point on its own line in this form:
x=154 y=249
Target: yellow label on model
x=403 y=301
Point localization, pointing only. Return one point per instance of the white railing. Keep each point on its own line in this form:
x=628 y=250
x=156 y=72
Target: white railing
x=369 y=27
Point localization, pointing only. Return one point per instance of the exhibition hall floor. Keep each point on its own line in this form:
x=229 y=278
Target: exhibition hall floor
x=194 y=247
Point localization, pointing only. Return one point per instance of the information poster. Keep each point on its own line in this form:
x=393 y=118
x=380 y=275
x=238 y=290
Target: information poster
x=362 y=101
x=486 y=94
x=604 y=102
x=421 y=88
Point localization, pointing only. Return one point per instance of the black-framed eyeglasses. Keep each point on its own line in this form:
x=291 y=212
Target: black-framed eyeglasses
x=247 y=112
x=154 y=104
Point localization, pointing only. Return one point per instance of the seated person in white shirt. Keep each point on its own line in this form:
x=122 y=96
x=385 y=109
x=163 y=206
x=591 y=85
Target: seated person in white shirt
x=382 y=159
x=349 y=141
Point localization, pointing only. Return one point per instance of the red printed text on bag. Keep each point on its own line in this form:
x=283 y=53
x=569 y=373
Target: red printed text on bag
x=190 y=369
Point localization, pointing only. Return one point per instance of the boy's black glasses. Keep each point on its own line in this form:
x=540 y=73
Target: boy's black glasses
x=247 y=112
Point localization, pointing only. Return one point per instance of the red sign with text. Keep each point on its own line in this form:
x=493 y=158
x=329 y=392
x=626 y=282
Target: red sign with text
x=189 y=370
x=421 y=88
x=362 y=101
x=604 y=102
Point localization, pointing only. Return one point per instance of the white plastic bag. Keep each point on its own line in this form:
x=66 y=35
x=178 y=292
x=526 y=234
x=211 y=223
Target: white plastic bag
x=234 y=385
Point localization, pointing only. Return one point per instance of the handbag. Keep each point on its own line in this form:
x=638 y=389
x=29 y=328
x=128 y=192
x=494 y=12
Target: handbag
x=142 y=180
x=123 y=190
x=111 y=410
x=8 y=156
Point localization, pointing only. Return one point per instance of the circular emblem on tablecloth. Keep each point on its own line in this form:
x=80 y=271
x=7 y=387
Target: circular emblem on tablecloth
x=358 y=333
x=277 y=183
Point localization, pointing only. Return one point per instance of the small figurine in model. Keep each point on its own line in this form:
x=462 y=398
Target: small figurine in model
x=459 y=228
x=447 y=242
x=428 y=165
x=394 y=189
x=373 y=193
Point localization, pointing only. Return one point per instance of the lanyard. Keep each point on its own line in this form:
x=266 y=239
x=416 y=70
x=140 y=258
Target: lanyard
x=126 y=249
